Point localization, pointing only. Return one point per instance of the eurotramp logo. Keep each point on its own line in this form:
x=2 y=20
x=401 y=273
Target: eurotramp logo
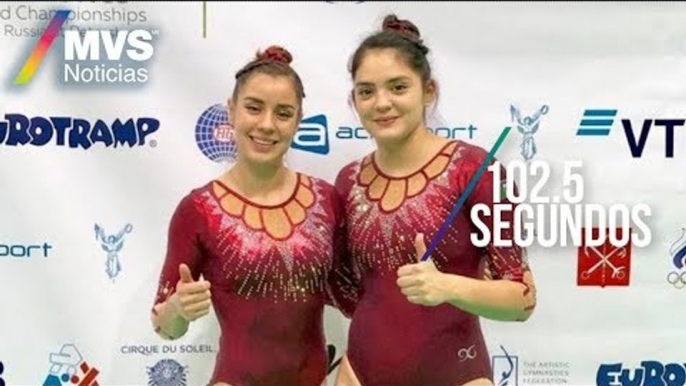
x=73 y=132
x=649 y=373
x=93 y=57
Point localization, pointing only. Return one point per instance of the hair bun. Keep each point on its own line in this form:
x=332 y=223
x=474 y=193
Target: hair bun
x=406 y=29
x=391 y=22
x=275 y=54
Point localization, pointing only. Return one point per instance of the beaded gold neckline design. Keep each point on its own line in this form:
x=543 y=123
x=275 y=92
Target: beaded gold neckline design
x=391 y=192
x=277 y=221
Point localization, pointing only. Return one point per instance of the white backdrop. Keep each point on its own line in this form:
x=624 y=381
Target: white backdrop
x=486 y=57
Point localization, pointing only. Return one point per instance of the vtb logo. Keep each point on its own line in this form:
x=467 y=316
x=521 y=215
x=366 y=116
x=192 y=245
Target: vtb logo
x=599 y=123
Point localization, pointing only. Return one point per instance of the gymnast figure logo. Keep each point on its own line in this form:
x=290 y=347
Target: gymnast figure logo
x=112 y=244
x=528 y=126
x=505 y=374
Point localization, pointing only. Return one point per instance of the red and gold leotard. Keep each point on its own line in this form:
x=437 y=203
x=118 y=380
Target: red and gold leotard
x=392 y=341
x=270 y=268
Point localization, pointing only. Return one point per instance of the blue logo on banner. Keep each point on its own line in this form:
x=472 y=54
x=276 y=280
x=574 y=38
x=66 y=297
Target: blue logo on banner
x=677 y=251
x=651 y=373
x=505 y=369
x=312 y=135
x=20 y=130
x=167 y=372
x=596 y=123
x=452 y=132
x=24 y=251
x=112 y=244
x=357 y=132
x=528 y=126
x=214 y=134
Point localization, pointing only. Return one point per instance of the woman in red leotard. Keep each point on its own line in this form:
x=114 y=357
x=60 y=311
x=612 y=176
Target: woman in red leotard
x=263 y=238
x=417 y=323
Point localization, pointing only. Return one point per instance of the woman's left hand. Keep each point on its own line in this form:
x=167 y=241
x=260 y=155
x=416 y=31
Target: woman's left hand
x=422 y=283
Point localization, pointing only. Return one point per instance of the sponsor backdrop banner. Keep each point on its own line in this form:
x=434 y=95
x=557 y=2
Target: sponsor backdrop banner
x=110 y=112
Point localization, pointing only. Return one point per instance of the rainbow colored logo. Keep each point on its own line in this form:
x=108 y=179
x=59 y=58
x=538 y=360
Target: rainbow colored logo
x=36 y=57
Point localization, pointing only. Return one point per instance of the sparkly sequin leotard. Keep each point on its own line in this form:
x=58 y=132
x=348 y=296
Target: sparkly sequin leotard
x=392 y=341
x=270 y=270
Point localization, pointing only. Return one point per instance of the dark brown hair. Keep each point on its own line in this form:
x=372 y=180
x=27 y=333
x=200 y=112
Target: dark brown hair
x=401 y=35
x=275 y=60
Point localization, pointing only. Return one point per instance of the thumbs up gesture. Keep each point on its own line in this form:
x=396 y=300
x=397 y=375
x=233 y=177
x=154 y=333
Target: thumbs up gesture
x=421 y=282
x=193 y=298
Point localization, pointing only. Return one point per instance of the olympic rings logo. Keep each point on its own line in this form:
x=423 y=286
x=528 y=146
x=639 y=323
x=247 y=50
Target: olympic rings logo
x=678 y=280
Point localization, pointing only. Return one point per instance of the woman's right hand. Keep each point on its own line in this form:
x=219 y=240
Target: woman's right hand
x=192 y=299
